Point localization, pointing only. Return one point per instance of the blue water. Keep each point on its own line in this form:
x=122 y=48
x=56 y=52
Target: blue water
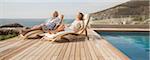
x=133 y=44
x=29 y=22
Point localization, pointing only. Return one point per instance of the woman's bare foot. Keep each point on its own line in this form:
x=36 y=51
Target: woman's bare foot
x=53 y=32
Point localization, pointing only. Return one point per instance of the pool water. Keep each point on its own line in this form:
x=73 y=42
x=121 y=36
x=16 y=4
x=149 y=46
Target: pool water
x=133 y=44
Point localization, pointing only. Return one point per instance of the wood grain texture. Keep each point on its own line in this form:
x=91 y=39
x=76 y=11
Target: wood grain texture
x=34 y=49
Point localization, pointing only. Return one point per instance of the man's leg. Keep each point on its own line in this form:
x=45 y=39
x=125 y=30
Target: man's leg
x=32 y=29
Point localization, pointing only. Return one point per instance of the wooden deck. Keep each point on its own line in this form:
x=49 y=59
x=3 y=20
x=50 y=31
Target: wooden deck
x=34 y=49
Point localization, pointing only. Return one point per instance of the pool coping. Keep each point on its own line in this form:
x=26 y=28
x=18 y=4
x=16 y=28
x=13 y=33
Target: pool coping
x=120 y=26
x=123 y=29
x=113 y=48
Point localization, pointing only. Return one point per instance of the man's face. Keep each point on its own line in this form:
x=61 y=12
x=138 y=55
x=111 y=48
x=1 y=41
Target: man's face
x=55 y=14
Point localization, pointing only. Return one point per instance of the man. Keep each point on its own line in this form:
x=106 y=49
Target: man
x=50 y=25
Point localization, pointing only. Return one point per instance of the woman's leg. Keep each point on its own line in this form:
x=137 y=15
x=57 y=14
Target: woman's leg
x=60 y=28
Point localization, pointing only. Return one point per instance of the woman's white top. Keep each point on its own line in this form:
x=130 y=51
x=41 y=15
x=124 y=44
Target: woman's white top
x=76 y=25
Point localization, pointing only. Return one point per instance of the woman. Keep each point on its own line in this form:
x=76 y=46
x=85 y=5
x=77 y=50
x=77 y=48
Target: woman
x=50 y=25
x=76 y=26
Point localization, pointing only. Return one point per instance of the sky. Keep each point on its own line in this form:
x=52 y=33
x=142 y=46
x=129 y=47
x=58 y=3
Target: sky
x=44 y=8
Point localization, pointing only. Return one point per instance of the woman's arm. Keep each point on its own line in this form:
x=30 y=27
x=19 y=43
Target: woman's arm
x=60 y=28
x=77 y=28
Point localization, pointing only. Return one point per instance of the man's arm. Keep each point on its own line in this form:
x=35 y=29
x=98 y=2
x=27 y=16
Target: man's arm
x=62 y=17
x=59 y=22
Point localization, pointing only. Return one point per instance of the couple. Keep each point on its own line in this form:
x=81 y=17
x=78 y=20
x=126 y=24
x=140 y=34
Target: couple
x=55 y=24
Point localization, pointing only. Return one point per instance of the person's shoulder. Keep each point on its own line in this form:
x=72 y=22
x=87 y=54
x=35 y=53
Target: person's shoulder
x=79 y=21
x=57 y=18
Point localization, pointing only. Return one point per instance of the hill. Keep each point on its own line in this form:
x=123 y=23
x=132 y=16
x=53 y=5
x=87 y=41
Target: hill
x=134 y=9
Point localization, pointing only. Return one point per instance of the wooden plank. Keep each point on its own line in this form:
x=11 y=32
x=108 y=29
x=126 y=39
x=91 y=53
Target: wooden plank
x=61 y=55
x=83 y=56
x=7 y=43
x=18 y=50
x=29 y=51
x=104 y=50
x=46 y=50
x=111 y=53
x=97 y=52
x=40 y=51
x=72 y=54
x=55 y=55
x=115 y=51
x=26 y=51
x=68 y=51
x=9 y=40
x=49 y=56
x=93 y=55
x=33 y=53
x=10 y=48
x=93 y=49
x=88 y=55
x=50 y=49
x=77 y=52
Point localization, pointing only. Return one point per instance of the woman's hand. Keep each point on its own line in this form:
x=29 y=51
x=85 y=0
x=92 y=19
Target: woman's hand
x=60 y=28
x=51 y=31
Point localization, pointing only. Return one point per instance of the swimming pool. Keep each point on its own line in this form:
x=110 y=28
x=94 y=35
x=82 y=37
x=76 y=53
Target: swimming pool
x=133 y=44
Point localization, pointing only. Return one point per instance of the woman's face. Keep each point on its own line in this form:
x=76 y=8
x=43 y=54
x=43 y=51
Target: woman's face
x=79 y=16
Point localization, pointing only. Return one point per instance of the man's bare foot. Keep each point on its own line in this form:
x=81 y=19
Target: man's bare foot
x=23 y=33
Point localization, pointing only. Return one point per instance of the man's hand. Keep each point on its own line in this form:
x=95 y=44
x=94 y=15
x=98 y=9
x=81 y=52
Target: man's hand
x=62 y=17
